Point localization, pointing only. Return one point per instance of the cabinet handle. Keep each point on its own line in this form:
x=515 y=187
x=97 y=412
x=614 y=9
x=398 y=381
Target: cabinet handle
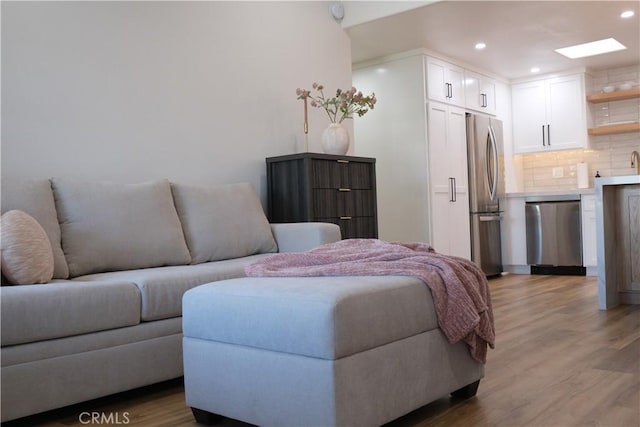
x=549 y=135
x=543 y=142
x=345 y=218
x=484 y=100
x=449 y=90
x=452 y=189
x=344 y=189
x=342 y=161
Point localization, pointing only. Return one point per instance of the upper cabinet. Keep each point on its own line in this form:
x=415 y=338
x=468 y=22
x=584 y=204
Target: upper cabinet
x=480 y=92
x=445 y=82
x=549 y=114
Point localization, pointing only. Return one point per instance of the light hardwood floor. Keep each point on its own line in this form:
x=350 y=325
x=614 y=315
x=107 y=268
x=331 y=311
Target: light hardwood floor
x=558 y=361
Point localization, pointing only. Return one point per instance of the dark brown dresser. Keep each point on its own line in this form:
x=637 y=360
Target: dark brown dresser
x=314 y=187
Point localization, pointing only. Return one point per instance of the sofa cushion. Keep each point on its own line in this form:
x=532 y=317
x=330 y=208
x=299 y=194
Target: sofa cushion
x=35 y=197
x=162 y=288
x=65 y=308
x=110 y=226
x=222 y=222
x=347 y=315
x=26 y=251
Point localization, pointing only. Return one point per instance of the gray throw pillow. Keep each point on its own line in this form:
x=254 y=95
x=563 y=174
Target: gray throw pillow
x=110 y=226
x=222 y=222
x=26 y=254
x=35 y=197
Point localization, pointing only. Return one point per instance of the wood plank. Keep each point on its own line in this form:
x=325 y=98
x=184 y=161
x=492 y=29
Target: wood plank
x=612 y=129
x=614 y=96
x=558 y=361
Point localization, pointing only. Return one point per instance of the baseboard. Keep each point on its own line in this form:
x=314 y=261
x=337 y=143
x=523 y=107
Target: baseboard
x=629 y=297
x=559 y=270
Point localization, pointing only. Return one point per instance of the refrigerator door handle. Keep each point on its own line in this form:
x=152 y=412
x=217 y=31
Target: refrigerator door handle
x=494 y=171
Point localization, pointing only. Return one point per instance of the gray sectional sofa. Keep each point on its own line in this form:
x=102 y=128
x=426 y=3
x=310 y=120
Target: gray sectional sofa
x=109 y=319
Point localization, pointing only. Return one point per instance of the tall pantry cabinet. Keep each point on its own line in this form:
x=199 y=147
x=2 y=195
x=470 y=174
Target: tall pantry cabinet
x=421 y=159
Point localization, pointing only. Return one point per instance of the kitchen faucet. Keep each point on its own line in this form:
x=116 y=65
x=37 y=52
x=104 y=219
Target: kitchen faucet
x=635 y=161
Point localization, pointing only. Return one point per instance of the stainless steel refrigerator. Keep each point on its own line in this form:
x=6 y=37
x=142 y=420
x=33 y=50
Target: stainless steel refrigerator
x=486 y=188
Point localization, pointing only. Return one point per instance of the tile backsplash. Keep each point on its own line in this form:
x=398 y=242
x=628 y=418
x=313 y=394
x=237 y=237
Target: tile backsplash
x=610 y=155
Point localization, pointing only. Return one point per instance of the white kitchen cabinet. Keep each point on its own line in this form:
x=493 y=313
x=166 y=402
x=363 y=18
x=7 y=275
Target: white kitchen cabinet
x=449 y=189
x=479 y=92
x=549 y=114
x=589 y=247
x=445 y=82
x=514 y=236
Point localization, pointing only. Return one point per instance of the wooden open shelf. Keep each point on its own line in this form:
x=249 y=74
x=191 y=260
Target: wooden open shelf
x=611 y=129
x=614 y=96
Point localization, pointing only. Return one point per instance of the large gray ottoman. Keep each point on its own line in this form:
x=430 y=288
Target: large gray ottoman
x=318 y=351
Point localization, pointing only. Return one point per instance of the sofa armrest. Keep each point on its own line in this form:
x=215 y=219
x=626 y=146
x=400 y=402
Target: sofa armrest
x=302 y=236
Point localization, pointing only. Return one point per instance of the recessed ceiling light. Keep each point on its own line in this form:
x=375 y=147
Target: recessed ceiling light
x=480 y=46
x=535 y=70
x=627 y=14
x=590 y=49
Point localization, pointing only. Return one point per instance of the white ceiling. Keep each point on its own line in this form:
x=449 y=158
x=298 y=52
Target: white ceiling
x=519 y=34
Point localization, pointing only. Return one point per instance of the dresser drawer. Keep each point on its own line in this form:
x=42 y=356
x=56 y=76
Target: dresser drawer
x=341 y=174
x=342 y=202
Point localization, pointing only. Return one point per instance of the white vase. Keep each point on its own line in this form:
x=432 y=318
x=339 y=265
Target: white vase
x=335 y=139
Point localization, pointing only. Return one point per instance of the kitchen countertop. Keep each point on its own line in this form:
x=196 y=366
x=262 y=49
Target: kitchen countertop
x=576 y=191
x=617 y=180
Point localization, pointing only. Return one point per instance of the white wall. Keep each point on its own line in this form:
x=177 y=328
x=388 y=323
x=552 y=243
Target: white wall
x=190 y=91
x=395 y=134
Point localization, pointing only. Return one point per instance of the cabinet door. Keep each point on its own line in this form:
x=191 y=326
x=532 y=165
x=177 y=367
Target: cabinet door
x=440 y=176
x=445 y=82
x=455 y=77
x=513 y=232
x=449 y=195
x=589 y=247
x=529 y=116
x=437 y=88
x=566 y=113
x=472 y=91
x=480 y=92
x=488 y=91
x=459 y=229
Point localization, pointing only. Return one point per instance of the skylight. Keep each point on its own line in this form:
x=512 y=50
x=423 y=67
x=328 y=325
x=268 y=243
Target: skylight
x=590 y=49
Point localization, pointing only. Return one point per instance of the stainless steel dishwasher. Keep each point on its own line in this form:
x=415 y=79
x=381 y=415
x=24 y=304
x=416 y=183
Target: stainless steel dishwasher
x=554 y=235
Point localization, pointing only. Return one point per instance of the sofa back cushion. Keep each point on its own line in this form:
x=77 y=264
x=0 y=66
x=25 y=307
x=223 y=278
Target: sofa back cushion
x=110 y=226
x=222 y=222
x=35 y=197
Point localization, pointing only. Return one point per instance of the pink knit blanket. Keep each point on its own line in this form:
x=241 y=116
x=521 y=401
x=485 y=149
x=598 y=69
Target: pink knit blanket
x=458 y=286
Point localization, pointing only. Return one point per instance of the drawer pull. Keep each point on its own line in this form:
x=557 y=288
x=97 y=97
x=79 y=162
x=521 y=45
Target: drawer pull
x=342 y=161
x=345 y=217
x=344 y=189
